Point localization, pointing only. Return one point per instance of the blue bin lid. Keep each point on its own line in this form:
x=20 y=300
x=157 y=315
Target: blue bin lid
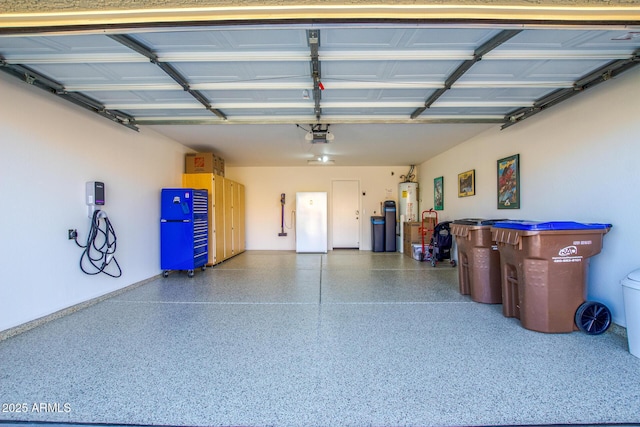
x=549 y=226
x=377 y=220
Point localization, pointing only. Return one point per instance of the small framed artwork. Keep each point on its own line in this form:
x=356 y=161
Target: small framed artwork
x=467 y=183
x=438 y=193
x=509 y=182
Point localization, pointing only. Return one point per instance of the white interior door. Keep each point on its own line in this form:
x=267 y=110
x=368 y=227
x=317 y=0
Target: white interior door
x=345 y=214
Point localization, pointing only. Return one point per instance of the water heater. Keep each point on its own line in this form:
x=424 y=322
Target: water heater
x=408 y=201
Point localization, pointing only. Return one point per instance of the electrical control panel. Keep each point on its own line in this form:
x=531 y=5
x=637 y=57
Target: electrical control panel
x=95 y=193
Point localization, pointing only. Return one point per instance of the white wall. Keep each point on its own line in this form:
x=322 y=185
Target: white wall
x=49 y=149
x=264 y=185
x=579 y=161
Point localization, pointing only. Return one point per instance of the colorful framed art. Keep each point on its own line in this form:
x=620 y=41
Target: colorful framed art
x=509 y=182
x=467 y=183
x=438 y=193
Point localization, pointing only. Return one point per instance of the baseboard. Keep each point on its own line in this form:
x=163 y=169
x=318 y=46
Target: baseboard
x=16 y=330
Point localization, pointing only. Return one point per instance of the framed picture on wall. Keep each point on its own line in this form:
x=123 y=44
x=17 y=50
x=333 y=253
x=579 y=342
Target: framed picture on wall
x=438 y=193
x=509 y=182
x=467 y=183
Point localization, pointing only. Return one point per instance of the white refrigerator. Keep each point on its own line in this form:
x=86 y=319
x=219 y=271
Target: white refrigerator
x=311 y=222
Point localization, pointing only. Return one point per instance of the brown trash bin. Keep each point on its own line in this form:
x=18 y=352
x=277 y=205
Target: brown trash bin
x=544 y=269
x=478 y=260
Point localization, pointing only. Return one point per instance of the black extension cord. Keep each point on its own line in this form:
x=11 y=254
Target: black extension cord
x=100 y=248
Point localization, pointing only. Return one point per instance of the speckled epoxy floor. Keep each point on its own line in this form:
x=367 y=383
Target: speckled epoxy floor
x=283 y=339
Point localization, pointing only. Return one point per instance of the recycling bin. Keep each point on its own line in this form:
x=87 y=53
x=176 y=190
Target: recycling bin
x=377 y=233
x=544 y=268
x=478 y=260
x=390 y=226
x=631 y=294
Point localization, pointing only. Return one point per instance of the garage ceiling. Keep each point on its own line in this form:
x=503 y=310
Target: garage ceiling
x=391 y=94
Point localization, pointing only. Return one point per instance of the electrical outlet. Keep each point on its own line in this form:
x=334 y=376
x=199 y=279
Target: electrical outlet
x=73 y=233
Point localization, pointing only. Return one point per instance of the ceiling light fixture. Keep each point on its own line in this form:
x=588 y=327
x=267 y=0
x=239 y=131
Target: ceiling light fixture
x=320 y=161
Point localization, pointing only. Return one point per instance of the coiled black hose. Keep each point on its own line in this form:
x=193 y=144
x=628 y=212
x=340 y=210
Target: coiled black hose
x=100 y=248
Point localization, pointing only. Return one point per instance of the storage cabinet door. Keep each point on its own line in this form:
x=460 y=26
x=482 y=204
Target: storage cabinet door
x=219 y=217
x=241 y=218
x=236 y=218
x=228 y=218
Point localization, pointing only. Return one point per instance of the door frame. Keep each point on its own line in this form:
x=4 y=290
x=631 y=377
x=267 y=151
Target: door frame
x=333 y=211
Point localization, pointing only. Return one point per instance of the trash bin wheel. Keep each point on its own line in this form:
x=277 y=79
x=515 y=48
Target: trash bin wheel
x=165 y=273
x=190 y=273
x=593 y=318
x=453 y=263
